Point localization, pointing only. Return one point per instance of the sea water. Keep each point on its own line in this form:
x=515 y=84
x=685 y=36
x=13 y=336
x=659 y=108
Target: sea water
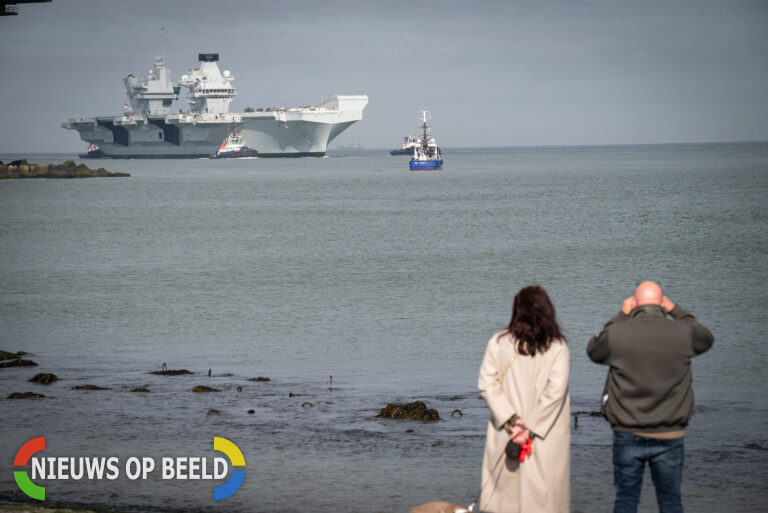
x=351 y=283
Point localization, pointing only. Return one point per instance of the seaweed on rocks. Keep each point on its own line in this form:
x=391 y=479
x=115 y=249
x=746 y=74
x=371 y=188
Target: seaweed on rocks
x=171 y=372
x=260 y=379
x=7 y=355
x=18 y=363
x=89 y=387
x=203 y=388
x=140 y=390
x=25 y=395
x=416 y=410
x=68 y=169
x=589 y=413
x=44 y=378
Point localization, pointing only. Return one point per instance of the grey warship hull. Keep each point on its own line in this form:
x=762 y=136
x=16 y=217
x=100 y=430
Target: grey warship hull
x=289 y=133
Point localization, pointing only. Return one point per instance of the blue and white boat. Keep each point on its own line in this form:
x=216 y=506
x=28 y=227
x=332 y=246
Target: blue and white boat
x=427 y=155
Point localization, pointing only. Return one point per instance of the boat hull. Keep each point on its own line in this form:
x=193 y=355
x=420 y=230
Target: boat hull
x=296 y=132
x=408 y=151
x=426 y=165
x=92 y=154
x=245 y=152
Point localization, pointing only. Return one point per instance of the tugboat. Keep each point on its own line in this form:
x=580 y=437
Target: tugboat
x=427 y=155
x=407 y=146
x=93 y=153
x=232 y=147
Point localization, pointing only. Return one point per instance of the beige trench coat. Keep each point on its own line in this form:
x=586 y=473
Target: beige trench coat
x=536 y=389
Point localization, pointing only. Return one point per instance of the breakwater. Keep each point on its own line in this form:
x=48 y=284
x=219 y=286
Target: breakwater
x=67 y=169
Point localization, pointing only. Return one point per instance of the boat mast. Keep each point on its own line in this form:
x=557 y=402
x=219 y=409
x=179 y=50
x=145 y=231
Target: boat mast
x=425 y=128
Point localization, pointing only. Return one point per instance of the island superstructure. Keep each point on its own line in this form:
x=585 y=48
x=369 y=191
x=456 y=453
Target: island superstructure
x=149 y=127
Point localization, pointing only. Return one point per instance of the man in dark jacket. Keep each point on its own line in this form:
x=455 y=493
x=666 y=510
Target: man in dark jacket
x=648 y=397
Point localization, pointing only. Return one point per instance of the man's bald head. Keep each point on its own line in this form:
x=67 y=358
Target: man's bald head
x=648 y=293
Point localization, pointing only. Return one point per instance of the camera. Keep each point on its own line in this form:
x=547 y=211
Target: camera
x=517 y=452
x=513 y=451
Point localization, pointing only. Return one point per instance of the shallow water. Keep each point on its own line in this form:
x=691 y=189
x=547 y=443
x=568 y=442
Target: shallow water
x=391 y=282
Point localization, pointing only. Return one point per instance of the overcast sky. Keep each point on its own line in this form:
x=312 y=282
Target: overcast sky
x=492 y=73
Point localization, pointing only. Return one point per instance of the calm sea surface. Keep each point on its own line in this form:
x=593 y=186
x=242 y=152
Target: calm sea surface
x=389 y=281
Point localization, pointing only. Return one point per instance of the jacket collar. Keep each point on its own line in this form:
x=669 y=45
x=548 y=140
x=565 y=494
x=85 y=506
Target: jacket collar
x=648 y=311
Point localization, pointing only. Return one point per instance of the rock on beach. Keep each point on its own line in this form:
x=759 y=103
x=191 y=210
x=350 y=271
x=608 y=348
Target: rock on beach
x=68 y=169
x=6 y=355
x=202 y=389
x=416 y=410
x=20 y=362
x=171 y=372
x=25 y=395
x=44 y=378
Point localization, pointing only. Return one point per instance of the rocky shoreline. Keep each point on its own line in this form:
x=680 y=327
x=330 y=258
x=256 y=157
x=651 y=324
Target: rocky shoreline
x=68 y=169
x=415 y=410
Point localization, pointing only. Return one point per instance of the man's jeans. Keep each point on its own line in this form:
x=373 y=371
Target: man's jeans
x=665 y=457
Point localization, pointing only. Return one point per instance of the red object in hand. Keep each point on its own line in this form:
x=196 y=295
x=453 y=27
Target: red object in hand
x=525 y=450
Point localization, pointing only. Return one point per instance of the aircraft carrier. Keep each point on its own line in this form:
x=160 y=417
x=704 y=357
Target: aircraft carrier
x=150 y=128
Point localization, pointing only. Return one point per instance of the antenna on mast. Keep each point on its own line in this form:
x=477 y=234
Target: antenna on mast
x=424 y=118
x=162 y=40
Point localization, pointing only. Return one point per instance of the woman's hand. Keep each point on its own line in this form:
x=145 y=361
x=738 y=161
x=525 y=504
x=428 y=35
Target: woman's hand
x=522 y=436
x=519 y=433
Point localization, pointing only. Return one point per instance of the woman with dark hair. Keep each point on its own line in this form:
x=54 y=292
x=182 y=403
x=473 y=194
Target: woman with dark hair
x=524 y=380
